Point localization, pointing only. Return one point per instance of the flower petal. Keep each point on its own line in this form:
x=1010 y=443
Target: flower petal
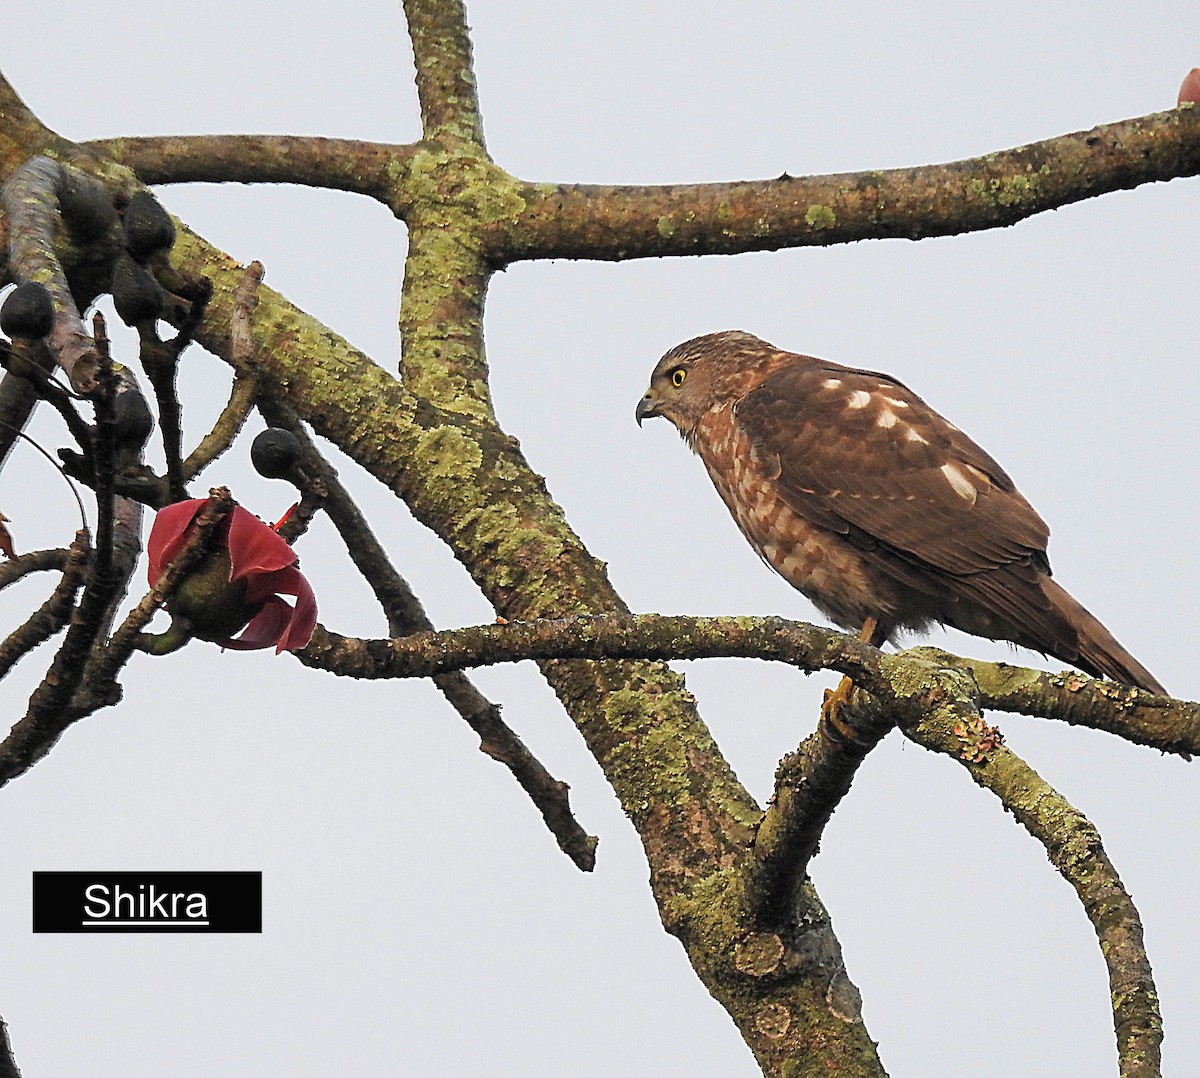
x=304 y=617
x=167 y=534
x=288 y=628
x=254 y=547
x=265 y=628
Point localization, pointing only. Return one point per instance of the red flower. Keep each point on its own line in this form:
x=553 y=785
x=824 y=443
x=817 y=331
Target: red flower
x=238 y=585
x=1190 y=90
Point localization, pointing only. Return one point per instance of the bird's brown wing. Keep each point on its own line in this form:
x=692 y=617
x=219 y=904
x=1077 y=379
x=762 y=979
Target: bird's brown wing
x=860 y=453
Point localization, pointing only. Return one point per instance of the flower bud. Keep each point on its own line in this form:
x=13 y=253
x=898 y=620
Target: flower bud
x=274 y=453
x=148 y=227
x=28 y=311
x=87 y=208
x=132 y=421
x=137 y=296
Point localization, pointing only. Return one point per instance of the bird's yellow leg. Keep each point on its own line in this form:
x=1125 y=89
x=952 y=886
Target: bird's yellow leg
x=831 y=725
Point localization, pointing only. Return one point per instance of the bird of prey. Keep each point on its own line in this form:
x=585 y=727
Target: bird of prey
x=886 y=516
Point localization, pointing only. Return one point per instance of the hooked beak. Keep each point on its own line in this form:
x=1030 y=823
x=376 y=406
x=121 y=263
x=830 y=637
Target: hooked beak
x=647 y=408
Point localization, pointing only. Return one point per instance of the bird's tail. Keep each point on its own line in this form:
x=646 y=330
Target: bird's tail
x=1099 y=652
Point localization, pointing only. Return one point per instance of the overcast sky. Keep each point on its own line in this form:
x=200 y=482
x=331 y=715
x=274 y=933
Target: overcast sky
x=418 y=918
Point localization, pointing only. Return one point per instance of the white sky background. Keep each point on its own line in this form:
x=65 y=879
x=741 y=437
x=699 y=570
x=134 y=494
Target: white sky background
x=418 y=918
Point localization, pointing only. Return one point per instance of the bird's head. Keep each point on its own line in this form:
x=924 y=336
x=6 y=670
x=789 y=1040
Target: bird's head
x=695 y=375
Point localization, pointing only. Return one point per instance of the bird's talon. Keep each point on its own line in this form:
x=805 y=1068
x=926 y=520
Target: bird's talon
x=833 y=727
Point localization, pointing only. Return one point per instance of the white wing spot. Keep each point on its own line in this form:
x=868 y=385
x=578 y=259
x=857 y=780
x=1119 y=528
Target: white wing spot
x=887 y=418
x=831 y=383
x=860 y=398
x=913 y=436
x=961 y=484
x=896 y=403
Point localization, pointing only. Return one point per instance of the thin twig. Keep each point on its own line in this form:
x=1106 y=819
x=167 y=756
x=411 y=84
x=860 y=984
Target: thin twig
x=33 y=362
x=159 y=361
x=36 y=561
x=103 y=447
x=405 y=615
x=101 y=689
x=245 y=379
x=53 y=614
x=63 y=697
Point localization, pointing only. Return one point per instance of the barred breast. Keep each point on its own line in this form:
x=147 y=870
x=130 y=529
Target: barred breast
x=818 y=562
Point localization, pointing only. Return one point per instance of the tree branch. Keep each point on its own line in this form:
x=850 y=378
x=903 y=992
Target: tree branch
x=53 y=614
x=445 y=73
x=36 y=561
x=998 y=189
x=596 y=637
x=74 y=687
x=245 y=380
x=406 y=615
x=30 y=200
x=809 y=785
x=364 y=168
x=1075 y=849
x=440 y=450
x=1159 y=722
x=1162 y=723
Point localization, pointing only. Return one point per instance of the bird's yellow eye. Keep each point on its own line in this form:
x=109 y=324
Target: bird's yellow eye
x=677 y=377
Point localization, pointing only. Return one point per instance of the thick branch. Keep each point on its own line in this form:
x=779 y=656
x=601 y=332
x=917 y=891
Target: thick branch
x=1074 y=847
x=364 y=168
x=30 y=200
x=809 y=785
x=619 y=222
x=445 y=75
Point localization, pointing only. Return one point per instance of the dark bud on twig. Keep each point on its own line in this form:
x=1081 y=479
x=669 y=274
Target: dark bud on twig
x=274 y=453
x=148 y=227
x=27 y=312
x=86 y=205
x=137 y=296
x=132 y=421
